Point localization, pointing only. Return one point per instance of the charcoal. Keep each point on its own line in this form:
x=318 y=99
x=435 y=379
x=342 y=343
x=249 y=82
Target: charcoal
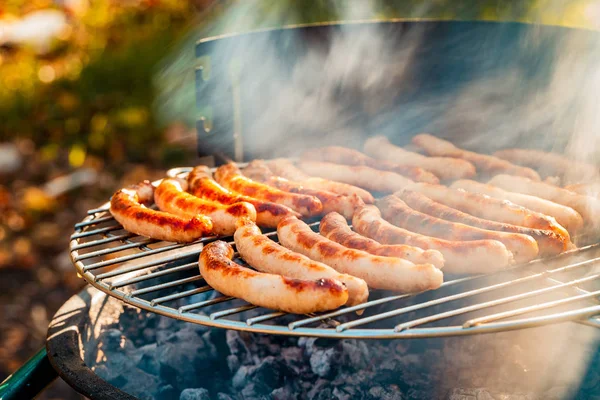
x=320 y=390
x=141 y=385
x=111 y=340
x=355 y=354
x=167 y=392
x=223 y=396
x=254 y=391
x=384 y=393
x=283 y=393
x=324 y=362
x=233 y=363
x=241 y=376
x=146 y=359
x=238 y=347
x=194 y=394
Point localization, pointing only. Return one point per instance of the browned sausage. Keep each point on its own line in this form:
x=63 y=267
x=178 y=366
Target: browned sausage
x=587 y=206
x=483 y=206
x=486 y=164
x=230 y=176
x=549 y=243
x=268 y=214
x=267 y=290
x=550 y=164
x=346 y=156
x=388 y=273
x=171 y=197
x=564 y=215
x=476 y=256
x=128 y=206
x=446 y=168
x=257 y=170
x=267 y=256
x=365 y=177
x=394 y=210
x=334 y=227
x=286 y=169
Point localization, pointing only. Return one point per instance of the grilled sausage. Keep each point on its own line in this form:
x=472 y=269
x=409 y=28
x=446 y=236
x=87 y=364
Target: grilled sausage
x=549 y=243
x=267 y=290
x=171 y=196
x=550 y=164
x=230 y=176
x=446 y=168
x=202 y=185
x=483 y=206
x=460 y=257
x=565 y=216
x=394 y=210
x=266 y=255
x=258 y=171
x=387 y=273
x=486 y=164
x=587 y=206
x=285 y=169
x=365 y=177
x=346 y=156
x=128 y=206
x=334 y=227
x=587 y=189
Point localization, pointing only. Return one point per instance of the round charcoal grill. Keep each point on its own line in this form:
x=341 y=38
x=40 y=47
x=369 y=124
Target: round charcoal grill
x=162 y=277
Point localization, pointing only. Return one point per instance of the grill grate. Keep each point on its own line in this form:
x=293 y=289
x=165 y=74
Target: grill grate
x=164 y=278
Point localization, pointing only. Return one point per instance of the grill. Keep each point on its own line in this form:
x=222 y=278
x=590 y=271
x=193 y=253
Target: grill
x=162 y=277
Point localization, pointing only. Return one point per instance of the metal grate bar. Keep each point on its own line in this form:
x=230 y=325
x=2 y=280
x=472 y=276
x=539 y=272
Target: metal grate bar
x=98 y=210
x=181 y=295
x=96 y=231
x=94 y=221
x=265 y=317
x=130 y=257
x=133 y=268
x=446 y=299
x=99 y=242
x=205 y=303
x=360 y=307
x=231 y=311
x=131 y=245
x=166 y=285
x=153 y=275
x=504 y=300
x=524 y=310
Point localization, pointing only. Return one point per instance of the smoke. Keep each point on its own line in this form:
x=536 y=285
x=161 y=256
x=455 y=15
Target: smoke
x=483 y=86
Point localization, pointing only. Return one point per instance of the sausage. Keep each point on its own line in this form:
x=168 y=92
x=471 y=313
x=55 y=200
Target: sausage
x=365 y=177
x=387 y=273
x=565 y=216
x=587 y=206
x=483 y=206
x=446 y=168
x=267 y=290
x=549 y=243
x=587 y=189
x=476 y=256
x=268 y=214
x=489 y=165
x=550 y=164
x=128 y=206
x=394 y=210
x=334 y=227
x=230 y=176
x=346 y=156
x=285 y=169
x=257 y=170
x=265 y=255
x=171 y=197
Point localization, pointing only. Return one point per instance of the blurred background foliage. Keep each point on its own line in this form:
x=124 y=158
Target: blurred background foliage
x=95 y=94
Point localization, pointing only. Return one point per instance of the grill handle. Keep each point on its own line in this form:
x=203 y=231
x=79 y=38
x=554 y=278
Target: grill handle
x=30 y=379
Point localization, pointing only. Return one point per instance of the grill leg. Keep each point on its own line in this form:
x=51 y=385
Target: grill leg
x=30 y=379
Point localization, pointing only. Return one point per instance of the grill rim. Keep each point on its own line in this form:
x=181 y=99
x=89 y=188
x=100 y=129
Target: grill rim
x=296 y=329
